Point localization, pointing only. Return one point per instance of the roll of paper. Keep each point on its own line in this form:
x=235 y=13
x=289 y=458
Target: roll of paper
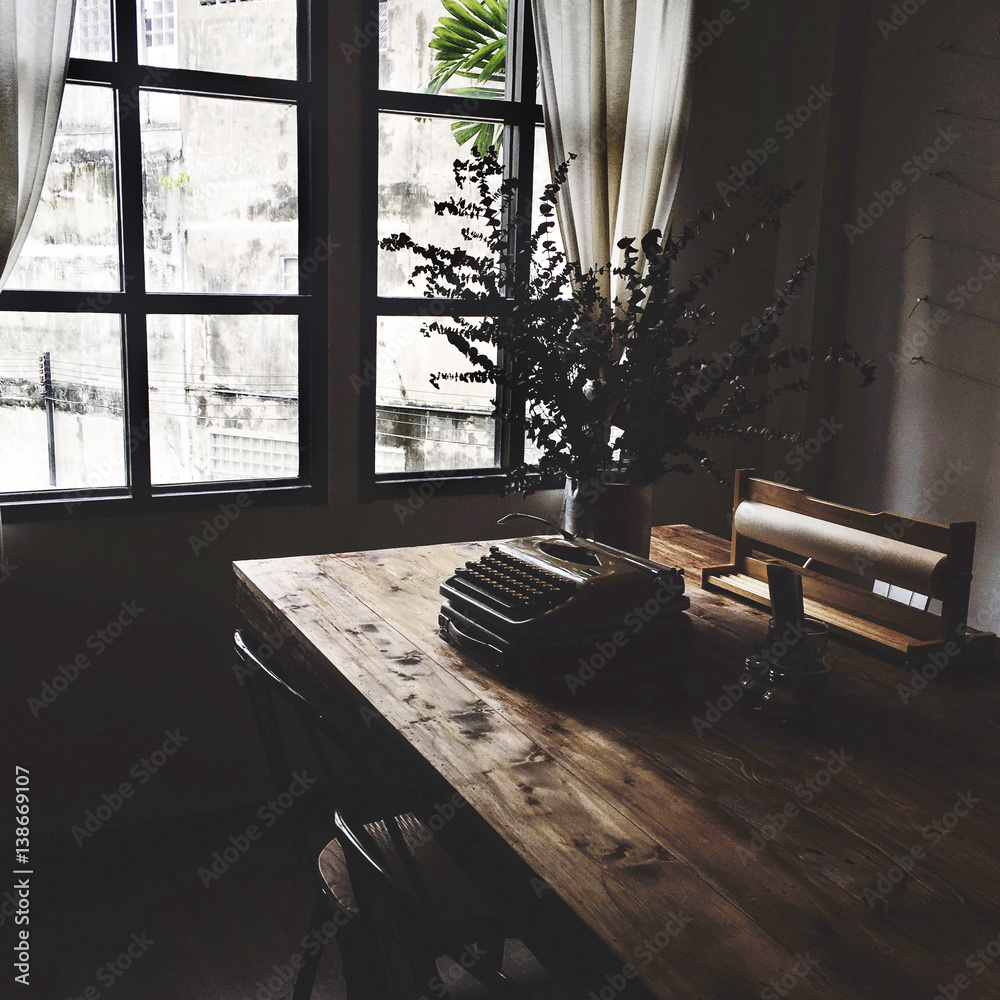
x=875 y=557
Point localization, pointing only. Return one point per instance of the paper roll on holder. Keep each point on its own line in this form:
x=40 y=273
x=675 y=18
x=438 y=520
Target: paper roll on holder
x=932 y=559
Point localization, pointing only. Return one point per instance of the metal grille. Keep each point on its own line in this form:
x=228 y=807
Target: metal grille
x=160 y=22
x=93 y=27
x=246 y=456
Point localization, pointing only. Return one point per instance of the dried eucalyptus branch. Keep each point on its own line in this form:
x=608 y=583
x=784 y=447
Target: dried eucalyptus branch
x=609 y=385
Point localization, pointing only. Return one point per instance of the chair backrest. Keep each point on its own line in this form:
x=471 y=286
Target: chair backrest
x=365 y=799
x=409 y=928
x=266 y=684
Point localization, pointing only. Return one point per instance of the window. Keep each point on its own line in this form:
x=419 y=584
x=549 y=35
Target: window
x=163 y=332
x=422 y=420
x=92 y=34
x=289 y=279
x=159 y=22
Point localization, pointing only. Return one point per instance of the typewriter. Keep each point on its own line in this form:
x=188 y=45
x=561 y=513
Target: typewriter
x=563 y=608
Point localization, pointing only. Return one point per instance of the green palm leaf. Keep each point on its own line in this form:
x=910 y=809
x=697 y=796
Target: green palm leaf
x=470 y=43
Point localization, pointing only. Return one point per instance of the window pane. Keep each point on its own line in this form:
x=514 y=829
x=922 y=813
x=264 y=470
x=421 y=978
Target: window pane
x=420 y=427
x=416 y=169
x=471 y=63
x=85 y=354
x=249 y=37
x=73 y=241
x=92 y=30
x=223 y=398
x=221 y=193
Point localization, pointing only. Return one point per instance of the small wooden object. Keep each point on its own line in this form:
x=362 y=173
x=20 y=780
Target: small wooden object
x=935 y=559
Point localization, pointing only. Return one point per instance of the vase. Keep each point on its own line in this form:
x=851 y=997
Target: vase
x=617 y=514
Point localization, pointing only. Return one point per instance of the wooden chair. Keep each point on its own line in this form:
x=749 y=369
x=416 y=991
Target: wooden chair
x=398 y=900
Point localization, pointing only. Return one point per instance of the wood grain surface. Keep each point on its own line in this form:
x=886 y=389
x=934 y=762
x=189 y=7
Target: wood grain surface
x=717 y=854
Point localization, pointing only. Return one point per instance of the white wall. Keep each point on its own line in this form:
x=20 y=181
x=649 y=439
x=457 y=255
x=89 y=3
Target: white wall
x=927 y=443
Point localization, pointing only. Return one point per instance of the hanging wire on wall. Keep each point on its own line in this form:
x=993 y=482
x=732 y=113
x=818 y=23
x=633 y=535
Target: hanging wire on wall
x=950 y=47
x=950 y=243
x=951 y=371
x=947 y=175
x=952 y=309
x=965 y=114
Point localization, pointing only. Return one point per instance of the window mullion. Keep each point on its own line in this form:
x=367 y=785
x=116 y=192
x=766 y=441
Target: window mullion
x=130 y=201
x=519 y=161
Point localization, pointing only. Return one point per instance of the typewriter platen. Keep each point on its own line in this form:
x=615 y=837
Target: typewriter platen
x=546 y=608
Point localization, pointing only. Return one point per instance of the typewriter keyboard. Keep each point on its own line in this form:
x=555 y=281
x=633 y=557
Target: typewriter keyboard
x=515 y=583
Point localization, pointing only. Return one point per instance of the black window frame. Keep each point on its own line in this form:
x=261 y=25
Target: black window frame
x=521 y=115
x=126 y=76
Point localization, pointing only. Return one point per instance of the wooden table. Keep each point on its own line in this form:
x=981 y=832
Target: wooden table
x=803 y=862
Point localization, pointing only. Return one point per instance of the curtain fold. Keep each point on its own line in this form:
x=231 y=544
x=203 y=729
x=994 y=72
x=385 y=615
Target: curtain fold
x=34 y=54
x=614 y=77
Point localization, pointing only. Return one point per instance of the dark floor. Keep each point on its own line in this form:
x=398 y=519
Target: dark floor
x=231 y=940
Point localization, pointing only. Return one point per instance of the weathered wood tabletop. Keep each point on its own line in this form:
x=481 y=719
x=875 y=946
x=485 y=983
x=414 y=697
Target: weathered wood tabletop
x=718 y=854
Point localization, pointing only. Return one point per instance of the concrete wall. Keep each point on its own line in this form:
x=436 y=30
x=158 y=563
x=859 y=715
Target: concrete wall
x=926 y=444
x=171 y=668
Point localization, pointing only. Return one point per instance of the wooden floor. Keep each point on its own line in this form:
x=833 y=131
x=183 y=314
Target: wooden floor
x=219 y=943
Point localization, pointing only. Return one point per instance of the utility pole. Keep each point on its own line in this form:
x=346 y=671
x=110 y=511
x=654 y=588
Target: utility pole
x=45 y=377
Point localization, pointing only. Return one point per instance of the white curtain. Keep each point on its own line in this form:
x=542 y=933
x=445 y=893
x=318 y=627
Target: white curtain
x=614 y=77
x=34 y=53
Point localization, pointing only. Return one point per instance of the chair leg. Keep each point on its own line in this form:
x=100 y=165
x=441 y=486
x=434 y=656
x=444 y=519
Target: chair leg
x=361 y=961
x=488 y=966
x=306 y=978
x=492 y=946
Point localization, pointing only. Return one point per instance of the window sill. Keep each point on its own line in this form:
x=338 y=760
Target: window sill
x=424 y=485
x=74 y=505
